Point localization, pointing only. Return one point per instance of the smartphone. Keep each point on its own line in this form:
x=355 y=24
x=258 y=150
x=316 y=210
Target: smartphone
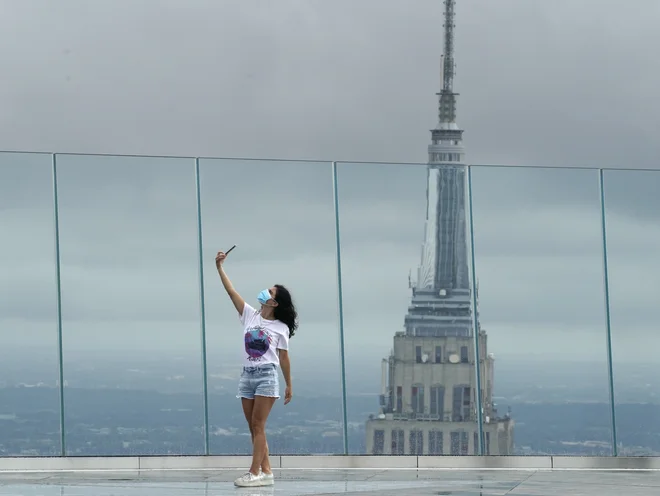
x=229 y=250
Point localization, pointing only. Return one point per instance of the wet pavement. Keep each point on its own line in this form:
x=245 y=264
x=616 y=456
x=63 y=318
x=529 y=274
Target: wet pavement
x=298 y=482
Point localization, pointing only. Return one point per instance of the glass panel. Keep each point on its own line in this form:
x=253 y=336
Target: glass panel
x=280 y=216
x=633 y=245
x=29 y=376
x=538 y=250
x=411 y=322
x=130 y=306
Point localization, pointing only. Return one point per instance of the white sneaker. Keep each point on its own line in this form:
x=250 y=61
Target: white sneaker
x=249 y=480
x=267 y=479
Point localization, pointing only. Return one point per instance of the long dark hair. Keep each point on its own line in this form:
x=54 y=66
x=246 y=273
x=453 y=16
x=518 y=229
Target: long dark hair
x=285 y=311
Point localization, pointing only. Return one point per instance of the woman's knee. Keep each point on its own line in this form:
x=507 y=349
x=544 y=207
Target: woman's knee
x=257 y=427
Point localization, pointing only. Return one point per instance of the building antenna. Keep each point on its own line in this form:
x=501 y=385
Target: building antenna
x=447 y=107
x=448 y=65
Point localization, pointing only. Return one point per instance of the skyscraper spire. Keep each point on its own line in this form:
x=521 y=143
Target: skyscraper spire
x=447 y=109
x=444 y=254
x=448 y=59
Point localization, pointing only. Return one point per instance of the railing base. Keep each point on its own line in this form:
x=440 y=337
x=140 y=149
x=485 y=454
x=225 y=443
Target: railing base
x=319 y=462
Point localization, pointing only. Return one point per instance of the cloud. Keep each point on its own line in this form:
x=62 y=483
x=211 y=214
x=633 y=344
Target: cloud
x=539 y=84
x=332 y=81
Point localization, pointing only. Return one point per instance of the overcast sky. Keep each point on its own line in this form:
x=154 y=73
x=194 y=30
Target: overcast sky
x=563 y=83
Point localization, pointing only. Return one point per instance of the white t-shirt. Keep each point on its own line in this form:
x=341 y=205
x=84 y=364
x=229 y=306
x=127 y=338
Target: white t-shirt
x=262 y=338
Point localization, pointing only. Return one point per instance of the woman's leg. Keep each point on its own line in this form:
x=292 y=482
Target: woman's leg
x=248 y=406
x=260 y=411
x=265 y=463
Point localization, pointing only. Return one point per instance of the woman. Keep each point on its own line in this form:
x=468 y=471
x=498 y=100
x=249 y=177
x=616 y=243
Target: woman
x=266 y=334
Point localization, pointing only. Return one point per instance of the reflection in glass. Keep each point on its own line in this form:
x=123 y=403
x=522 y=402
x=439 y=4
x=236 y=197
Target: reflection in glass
x=130 y=306
x=280 y=216
x=538 y=251
x=29 y=386
x=633 y=244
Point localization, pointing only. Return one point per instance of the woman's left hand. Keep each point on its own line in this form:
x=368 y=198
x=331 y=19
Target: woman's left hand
x=288 y=394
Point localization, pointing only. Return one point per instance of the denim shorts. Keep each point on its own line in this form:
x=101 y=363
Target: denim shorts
x=259 y=381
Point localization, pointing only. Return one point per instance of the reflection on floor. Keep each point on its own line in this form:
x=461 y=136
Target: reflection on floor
x=333 y=482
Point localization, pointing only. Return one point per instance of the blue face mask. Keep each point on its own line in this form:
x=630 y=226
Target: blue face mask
x=264 y=296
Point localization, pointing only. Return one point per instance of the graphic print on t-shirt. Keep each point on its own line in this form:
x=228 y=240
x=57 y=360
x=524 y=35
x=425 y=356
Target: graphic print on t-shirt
x=257 y=343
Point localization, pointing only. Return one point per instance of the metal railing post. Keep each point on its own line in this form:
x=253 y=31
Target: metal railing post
x=341 y=309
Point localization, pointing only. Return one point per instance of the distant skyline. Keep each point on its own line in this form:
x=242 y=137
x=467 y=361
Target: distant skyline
x=305 y=80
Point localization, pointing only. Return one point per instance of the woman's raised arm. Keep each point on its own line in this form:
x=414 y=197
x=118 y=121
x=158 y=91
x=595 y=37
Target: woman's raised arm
x=236 y=298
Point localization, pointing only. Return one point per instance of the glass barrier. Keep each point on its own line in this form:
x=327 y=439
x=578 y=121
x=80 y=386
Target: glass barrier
x=29 y=371
x=633 y=243
x=133 y=333
x=130 y=305
x=280 y=216
x=539 y=266
x=409 y=346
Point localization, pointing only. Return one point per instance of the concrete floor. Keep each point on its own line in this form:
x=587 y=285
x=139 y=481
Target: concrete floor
x=333 y=482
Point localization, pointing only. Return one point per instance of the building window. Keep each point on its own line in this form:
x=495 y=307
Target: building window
x=455 y=444
x=397 y=442
x=417 y=399
x=436 y=443
x=459 y=443
x=438 y=401
x=461 y=404
x=416 y=442
x=476 y=443
x=379 y=442
x=418 y=354
x=464 y=354
x=399 y=399
x=438 y=354
x=487 y=443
